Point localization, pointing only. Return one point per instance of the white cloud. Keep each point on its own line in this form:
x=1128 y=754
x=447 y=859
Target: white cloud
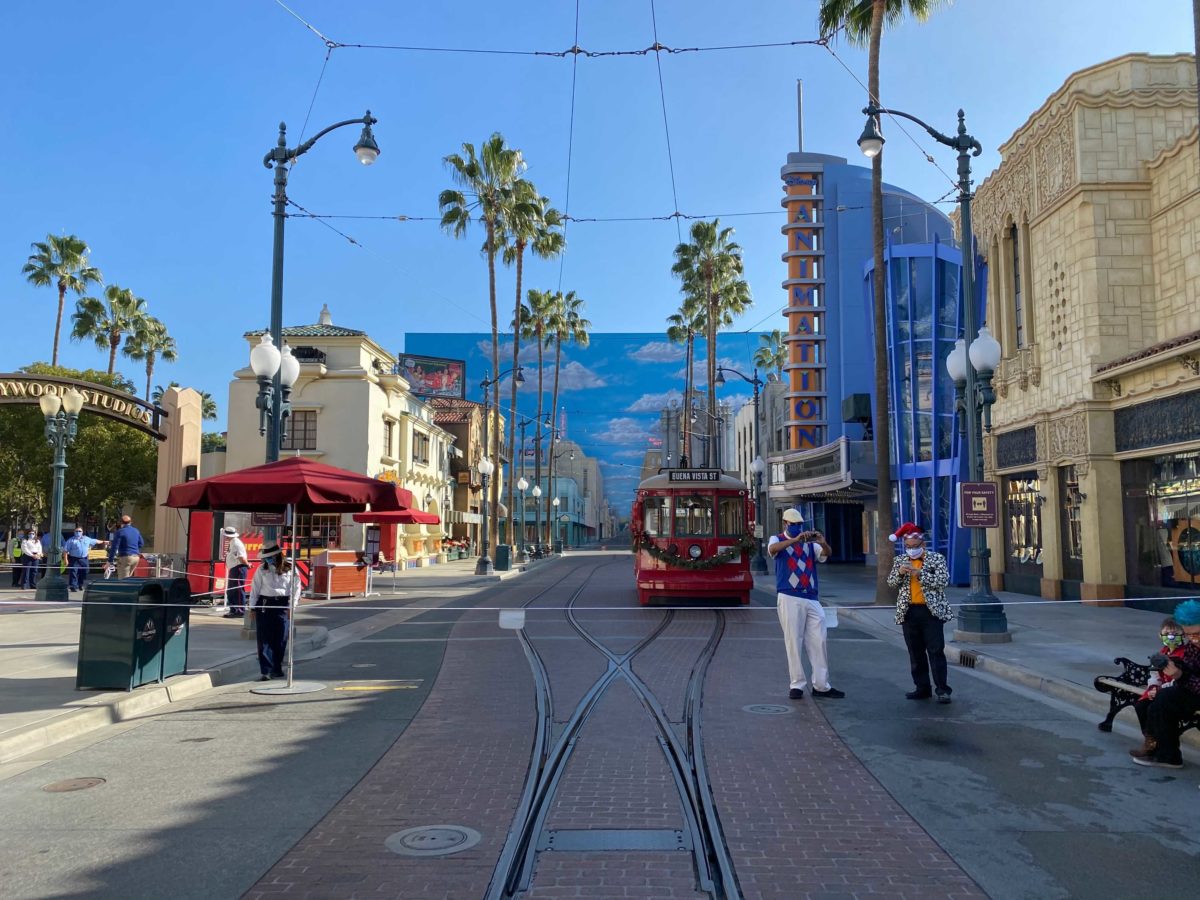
x=654 y=402
x=657 y=352
x=573 y=376
x=630 y=452
x=700 y=369
x=623 y=431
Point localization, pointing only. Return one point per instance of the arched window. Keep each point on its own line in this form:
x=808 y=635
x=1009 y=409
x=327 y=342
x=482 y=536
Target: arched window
x=1017 y=297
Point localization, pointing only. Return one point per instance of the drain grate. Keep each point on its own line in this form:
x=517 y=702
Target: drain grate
x=967 y=658
x=767 y=709
x=433 y=840
x=71 y=784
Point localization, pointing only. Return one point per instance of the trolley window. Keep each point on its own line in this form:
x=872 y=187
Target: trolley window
x=693 y=515
x=656 y=513
x=732 y=516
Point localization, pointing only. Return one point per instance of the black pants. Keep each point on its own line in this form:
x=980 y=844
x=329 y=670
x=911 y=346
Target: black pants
x=271 y=629
x=1163 y=716
x=926 y=648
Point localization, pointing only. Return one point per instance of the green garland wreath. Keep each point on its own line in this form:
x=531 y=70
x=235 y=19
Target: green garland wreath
x=744 y=543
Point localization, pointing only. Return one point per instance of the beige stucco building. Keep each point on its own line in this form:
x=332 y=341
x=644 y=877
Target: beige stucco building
x=1089 y=231
x=350 y=410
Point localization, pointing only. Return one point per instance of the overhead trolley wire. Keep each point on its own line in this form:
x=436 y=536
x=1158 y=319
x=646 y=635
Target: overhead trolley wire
x=662 y=94
x=562 y=255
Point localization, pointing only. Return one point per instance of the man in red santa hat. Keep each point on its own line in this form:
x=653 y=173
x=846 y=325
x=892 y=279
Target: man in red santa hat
x=920 y=576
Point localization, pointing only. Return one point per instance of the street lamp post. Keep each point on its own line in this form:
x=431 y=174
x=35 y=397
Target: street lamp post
x=555 y=503
x=537 y=505
x=485 y=385
x=62 y=416
x=522 y=486
x=982 y=617
x=484 y=565
x=280 y=157
x=758 y=565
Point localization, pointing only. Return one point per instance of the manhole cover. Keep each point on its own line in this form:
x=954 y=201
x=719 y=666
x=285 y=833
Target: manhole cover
x=767 y=709
x=71 y=784
x=432 y=840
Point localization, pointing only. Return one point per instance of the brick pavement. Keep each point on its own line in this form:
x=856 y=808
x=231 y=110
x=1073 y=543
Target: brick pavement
x=614 y=876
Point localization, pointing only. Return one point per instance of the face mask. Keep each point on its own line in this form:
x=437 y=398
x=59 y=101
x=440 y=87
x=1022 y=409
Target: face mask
x=794 y=529
x=79 y=534
x=914 y=552
x=1172 y=640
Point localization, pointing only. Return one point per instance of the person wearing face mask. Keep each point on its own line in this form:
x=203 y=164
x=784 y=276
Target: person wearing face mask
x=796 y=553
x=920 y=576
x=76 y=549
x=31 y=558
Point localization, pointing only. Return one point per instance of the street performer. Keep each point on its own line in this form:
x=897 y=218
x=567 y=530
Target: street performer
x=920 y=576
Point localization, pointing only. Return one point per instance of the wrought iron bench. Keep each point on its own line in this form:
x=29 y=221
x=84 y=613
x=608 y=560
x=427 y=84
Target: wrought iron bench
x=1125 y=688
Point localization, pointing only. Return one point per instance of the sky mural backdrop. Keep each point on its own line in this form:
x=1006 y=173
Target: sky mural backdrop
x=610 y=393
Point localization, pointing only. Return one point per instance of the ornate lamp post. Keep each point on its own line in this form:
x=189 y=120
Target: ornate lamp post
x=281 y=158
x=62 y=416
x=522 y=486
x=982 y=618
x=484 y=565
x=758 y=565
x=555 y=503
x=537 y=505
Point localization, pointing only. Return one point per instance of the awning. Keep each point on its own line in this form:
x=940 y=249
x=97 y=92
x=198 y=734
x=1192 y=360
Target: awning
x=398 y=517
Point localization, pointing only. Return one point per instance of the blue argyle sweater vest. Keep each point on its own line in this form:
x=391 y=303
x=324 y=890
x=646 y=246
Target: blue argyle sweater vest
x=796 y=570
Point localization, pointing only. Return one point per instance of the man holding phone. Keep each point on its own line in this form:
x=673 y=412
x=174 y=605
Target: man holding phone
x=920 y=576
x=796 y=553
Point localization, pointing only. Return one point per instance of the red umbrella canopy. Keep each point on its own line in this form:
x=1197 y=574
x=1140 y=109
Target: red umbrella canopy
x=397 y=517
x=311 y=486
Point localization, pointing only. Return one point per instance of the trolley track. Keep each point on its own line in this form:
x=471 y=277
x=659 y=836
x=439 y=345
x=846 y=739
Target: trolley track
x=683 y=754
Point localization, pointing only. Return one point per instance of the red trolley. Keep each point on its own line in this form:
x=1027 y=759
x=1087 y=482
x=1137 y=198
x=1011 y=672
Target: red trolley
x=692 y=533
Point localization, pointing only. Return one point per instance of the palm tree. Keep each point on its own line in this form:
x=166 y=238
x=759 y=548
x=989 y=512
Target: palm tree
x=106 y=325
x=862 y=23
x=535 y=324
x=538 y=228
x=566 y=324
x=682 y=328
x=711 y=267
x=150 y=342
x=487 y=185
x=63 y=262
x=772 y=354
x=208 y=406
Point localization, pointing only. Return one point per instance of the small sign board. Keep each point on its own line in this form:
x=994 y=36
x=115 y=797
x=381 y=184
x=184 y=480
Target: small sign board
x=268 y=519
x=978 y=504
x=693 y=475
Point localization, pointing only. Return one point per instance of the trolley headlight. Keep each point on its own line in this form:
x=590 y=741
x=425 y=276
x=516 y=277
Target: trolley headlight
x=694 y=551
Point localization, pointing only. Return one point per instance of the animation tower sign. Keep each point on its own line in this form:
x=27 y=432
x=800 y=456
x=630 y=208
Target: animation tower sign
x=805 y=286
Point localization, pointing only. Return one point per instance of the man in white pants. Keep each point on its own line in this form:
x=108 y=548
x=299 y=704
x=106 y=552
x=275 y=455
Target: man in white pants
x=796 y=553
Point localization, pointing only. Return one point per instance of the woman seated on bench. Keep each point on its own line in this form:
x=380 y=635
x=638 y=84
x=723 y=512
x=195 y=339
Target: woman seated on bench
x=1182 y=700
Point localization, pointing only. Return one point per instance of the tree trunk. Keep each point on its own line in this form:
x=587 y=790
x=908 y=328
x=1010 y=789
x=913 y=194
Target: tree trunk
x=553 y=432
x=685 y=410
x=711 y=374
x=150 y=374
x=537 y=459
x=62 y=296
x=512 y=411
x=882 y=424
x=114 y=341
x=494 y=437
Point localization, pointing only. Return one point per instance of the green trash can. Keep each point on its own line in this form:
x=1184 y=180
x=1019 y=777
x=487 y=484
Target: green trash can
x=177 y=615
x=122 y=632
x=503 y=560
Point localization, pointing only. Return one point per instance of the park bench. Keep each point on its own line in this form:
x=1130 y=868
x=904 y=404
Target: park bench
x=1125 y=688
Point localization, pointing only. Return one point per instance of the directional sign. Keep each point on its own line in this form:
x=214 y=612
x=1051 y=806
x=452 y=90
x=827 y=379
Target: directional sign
x=694 y=475
x=978 y=504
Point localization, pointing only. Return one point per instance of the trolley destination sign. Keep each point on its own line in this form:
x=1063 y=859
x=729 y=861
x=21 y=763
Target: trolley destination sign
x=694 y=475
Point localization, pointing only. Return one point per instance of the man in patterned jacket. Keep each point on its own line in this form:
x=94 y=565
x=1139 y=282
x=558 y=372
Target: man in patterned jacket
x=920 y=577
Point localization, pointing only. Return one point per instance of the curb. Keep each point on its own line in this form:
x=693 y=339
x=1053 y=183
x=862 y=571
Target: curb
x=109 y=708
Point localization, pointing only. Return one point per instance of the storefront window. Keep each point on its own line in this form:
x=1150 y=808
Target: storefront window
x=1072 y=529
x=693 y=516
x=1163 y=520
x=1023 y=532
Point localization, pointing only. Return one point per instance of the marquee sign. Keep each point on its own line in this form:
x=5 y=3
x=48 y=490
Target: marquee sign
x=805 y=311
x=17 y=387
x=694 y=475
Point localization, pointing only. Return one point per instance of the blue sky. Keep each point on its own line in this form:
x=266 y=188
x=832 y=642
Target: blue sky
x=141 y=127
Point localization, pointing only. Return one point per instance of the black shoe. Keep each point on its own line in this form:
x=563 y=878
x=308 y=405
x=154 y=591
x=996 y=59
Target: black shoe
x=278 y=675
x=796 y=694
x=831 y=694
x=231 y=615
x=943 y=696
x=1143 y=761
x=264 y=677
x=918 y=695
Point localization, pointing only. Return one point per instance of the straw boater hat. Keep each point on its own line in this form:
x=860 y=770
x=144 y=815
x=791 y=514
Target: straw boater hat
x=229 y=530
x=904 y=531
x=269 y=550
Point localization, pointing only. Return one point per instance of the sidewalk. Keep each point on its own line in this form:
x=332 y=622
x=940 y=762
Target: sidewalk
x=1057 y=647
x=39 y=705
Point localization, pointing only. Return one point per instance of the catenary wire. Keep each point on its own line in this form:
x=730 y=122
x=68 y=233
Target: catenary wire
x=662 y=95
x=562 y=256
